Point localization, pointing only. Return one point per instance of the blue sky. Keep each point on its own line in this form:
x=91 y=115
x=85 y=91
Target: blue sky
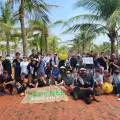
x=65 y=11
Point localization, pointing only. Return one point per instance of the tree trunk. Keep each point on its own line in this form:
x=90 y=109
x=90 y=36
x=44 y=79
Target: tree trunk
x=46 y=45
x=8 y=44
x=83 y=48
x=112 y=46
x=112 y=36
x=41 y=51
x=23 y=32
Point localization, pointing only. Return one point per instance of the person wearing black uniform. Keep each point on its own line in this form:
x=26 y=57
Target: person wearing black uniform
x=16 y=65
x=7 y=65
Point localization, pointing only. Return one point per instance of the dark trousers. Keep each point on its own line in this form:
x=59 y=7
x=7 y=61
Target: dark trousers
x=118 y=88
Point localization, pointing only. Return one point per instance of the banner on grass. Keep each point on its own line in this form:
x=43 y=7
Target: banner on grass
x=88 y=60
x=45 y=94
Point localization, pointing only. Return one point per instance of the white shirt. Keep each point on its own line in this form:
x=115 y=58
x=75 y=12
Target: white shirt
x=23 y=66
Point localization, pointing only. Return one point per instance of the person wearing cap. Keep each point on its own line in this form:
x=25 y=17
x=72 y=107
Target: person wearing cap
x=116 y=82
x=16 y=65
x=62 y=72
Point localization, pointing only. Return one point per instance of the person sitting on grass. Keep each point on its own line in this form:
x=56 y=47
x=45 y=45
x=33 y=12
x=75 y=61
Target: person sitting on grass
x=6 y=83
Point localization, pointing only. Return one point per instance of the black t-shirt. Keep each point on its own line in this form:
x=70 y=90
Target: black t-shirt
x=73 y=62
x=17 y=68
x=32 y=69
x=7 y=66
x=102 y=62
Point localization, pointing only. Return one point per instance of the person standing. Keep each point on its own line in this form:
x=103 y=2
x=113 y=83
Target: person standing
x=41 y=67
x=7 y=65
x=16 y=65
x=32 y=68
x=55 y=60
x=102 y=61
x=24 y=65
x=73 y=62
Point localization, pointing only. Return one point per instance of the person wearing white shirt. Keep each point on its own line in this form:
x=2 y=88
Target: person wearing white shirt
x=24 y=65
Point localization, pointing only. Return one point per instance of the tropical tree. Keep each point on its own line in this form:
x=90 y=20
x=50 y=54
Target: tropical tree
x=53 y=42
x=37 y=42
x=34 y=9
x=6 y=22
x=41 y=27
x=85 y=37
x=103 y=47
x=106 y=13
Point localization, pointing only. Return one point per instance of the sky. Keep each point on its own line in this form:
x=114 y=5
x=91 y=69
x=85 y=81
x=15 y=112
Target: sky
x=65 y=11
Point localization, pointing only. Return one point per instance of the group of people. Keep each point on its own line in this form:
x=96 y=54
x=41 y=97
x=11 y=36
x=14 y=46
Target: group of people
x=81 y=81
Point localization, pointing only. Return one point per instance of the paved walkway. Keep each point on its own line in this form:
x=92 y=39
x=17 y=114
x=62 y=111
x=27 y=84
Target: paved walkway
x=107 y=109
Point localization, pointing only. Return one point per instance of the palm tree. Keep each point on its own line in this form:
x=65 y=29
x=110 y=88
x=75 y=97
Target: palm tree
x=41 y=27
x=53 y=42
x=106 y=12
x=7 y=22
x=34 y=9
x=103 y=47
x=85 y=37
